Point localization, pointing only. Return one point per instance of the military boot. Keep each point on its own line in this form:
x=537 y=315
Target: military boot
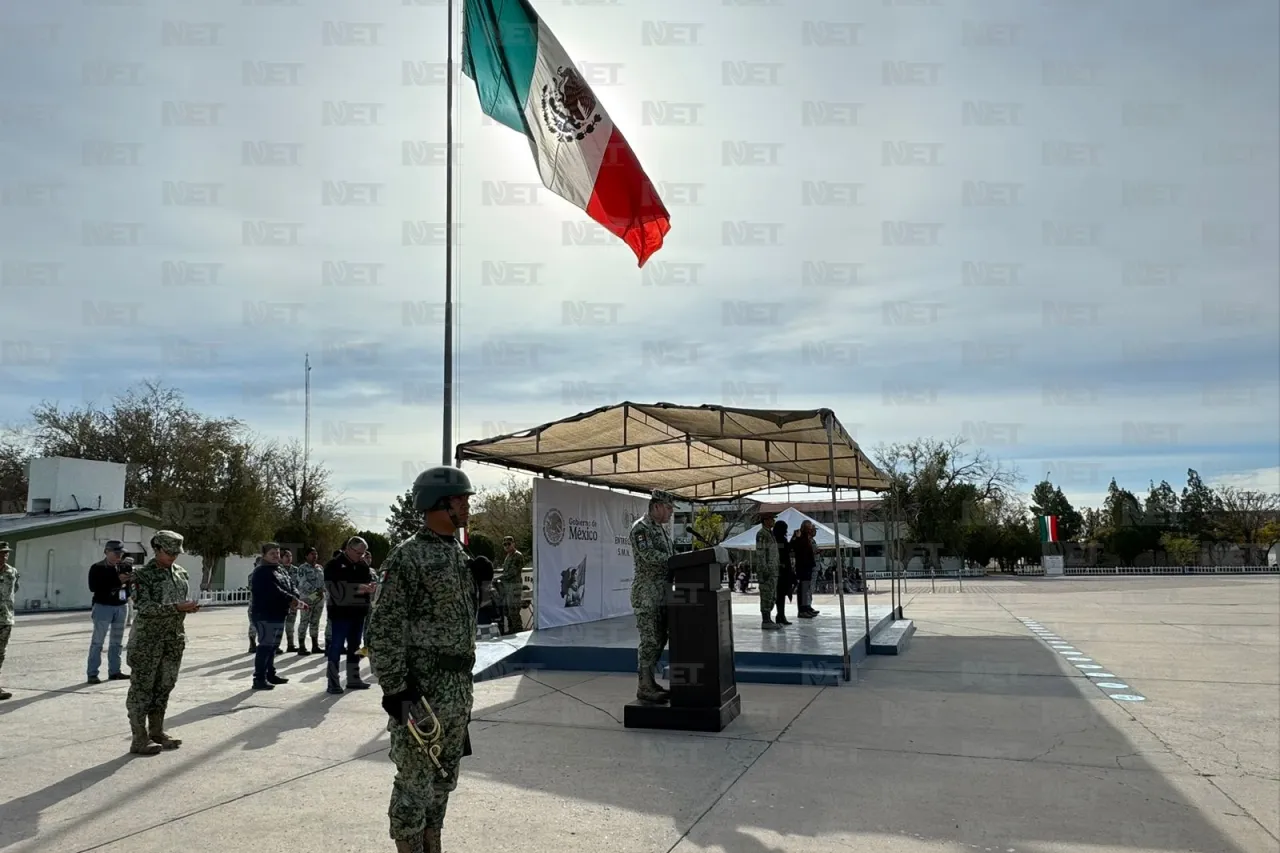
x=431 y=841
x=767 y=624
x=353 y=676
x=142 y=744
x=157 y=734
x=302 y=647
x=410 y=845
x=5 y=694
x=649 y=691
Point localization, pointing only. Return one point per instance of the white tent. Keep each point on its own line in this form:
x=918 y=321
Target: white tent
x=825 y=537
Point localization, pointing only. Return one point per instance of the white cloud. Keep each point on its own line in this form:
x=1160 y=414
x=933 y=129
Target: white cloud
x=1138 y=268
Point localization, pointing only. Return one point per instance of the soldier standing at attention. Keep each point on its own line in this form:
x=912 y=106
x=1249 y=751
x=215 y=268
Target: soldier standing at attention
x=650 y=549
x=159 y=641
x=290 y=571
x=311 y=590
x=8 y=588
x=766 y=560
x=422 y=647
x=512 y=585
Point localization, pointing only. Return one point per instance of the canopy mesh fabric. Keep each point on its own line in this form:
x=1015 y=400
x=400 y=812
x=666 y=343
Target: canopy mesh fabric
x=696 y=452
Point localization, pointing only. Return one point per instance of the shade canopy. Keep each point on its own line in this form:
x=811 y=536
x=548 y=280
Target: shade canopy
x=824 y=537
x=698 y=453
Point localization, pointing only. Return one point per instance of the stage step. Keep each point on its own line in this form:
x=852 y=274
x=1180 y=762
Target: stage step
x=808 y=675
x=893 y=638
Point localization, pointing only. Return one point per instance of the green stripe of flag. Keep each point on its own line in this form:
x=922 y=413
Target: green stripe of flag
x=499 y=52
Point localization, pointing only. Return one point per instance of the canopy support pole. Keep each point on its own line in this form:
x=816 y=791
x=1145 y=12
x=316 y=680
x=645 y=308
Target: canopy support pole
x=862 y=552
x=846 y=662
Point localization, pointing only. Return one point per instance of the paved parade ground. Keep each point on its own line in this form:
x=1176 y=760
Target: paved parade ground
x=991 y=733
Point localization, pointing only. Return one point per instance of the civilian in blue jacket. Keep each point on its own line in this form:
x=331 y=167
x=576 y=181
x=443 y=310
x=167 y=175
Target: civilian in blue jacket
x=273 y=593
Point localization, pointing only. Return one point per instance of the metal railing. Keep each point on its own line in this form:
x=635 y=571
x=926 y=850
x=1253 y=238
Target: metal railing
x=1083 y=571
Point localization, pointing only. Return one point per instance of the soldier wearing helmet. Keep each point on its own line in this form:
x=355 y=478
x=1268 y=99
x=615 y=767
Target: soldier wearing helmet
x=422 y=647
x=159 y=638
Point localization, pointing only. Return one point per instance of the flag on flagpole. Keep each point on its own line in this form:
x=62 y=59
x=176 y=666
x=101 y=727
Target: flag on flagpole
x=1048 y=528
x=526 y=81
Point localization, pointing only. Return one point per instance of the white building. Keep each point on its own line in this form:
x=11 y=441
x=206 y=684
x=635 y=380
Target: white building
x=74 y=506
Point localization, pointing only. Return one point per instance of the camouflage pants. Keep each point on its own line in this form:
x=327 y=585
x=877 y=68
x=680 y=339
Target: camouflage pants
x=309 y=623
x=767 y=581
x=253 y=626
x=154 y=662
x=289 y=621
x=649 y=602
x=419 y=794
x=5 y=631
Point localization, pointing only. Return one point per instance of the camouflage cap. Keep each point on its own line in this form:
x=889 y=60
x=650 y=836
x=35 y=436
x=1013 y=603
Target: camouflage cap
x=661 y=497
x=4 y=547
x=167 y=541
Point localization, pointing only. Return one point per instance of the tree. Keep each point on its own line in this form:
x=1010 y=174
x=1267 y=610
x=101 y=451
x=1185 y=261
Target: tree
x=479 y=545
x=934 y=485
x=1048 y=499
x=1242 y=515
x=1182 y=551
x=379 y=545
x=708 y=525
x=1093 y=525
x=14 y=455
x=1268 y=536
x=311 y=516
x=210 y=479
x=506 y=510
x=1124 y=535
x=1199 y=510
x=404 y=521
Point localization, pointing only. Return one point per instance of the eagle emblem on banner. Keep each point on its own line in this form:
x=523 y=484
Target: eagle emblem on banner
x=569 y=106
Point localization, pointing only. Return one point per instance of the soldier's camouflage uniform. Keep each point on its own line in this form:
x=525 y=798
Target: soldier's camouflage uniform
x=310 y=582
x=513 y=588
x=8 y=589
x=290 y=572
x=422 y=637
x=766 y=565
x=158 y=642
x=650 y=549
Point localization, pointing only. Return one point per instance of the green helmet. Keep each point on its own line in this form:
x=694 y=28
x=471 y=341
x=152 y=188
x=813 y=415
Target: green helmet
x=444 y=481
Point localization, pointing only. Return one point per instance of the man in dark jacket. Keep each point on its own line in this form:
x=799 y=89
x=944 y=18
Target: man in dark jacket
x=109 y=583
x=349 y=584
x=273 y=595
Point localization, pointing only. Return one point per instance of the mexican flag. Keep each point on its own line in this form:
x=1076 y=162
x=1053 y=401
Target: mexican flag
x=526 y=81
x=1048 y=528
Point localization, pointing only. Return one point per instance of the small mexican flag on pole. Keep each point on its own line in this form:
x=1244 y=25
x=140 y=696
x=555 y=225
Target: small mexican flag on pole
x=1048 y=528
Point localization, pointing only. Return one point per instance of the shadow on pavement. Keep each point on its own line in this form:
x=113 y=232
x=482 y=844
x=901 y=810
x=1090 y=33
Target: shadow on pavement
x=22 y=816
x=984 y=748
x=10 y=705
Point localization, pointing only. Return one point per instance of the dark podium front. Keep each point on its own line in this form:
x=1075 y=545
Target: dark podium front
x=704 y=690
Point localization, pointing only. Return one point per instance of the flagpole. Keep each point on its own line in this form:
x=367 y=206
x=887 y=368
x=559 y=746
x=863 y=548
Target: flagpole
x=446 y=457
x=306 y=435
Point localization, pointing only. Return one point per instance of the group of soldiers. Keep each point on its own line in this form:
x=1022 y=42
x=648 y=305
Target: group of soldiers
x=306 y=580
x=421 y=640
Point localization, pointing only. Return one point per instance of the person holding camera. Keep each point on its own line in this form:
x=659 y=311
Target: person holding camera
x=109 y=581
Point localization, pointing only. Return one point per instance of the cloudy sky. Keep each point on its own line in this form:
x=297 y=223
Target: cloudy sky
x=1049 y=227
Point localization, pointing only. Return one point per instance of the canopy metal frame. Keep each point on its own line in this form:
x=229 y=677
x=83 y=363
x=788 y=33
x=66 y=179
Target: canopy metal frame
x=699 y=454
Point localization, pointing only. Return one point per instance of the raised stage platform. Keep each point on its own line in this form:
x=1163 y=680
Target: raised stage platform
x=808 y=651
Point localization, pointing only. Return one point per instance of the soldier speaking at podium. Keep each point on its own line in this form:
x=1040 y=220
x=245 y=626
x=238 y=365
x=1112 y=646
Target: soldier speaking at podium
x=650 y=549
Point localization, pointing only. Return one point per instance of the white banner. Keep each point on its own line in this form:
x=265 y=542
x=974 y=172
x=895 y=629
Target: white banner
x=581 y=552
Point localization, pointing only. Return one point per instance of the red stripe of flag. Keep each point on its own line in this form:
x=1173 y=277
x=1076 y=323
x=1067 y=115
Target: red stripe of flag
x=625 y=202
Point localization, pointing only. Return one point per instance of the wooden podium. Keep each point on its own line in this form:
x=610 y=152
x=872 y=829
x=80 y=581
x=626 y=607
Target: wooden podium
x=704 y=689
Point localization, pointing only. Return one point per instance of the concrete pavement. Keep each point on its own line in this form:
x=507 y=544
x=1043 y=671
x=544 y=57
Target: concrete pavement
x=985 y=736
